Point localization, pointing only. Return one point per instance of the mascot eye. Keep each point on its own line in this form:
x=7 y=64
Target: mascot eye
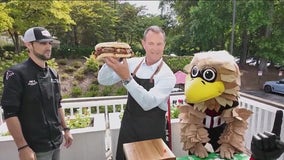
x=194 y=71
x=209 y=75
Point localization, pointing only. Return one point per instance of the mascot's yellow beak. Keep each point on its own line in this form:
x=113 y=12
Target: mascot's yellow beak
x=198 y=90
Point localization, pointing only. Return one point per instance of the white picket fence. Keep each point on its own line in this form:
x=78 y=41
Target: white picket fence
x=99 y=142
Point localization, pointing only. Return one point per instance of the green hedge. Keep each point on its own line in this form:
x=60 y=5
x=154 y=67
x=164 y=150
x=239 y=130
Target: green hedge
x=177 y=63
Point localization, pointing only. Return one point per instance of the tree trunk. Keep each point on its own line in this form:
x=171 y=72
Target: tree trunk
x=268 y=32
x=76 y=43
x=233 y=28
x=243 y=54
x=17 y=43
x=15 y=38
x=262 y=65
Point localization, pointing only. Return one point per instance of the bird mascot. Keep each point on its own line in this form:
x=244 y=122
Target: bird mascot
x=212 y=114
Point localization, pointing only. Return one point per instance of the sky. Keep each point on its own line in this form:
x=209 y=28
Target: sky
x=152 y=6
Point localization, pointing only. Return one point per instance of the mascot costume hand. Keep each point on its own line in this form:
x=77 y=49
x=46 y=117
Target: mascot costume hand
x=267 y=145
x=211 y=113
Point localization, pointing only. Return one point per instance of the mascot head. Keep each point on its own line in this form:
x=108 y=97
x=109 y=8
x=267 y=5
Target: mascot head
x=213 y=79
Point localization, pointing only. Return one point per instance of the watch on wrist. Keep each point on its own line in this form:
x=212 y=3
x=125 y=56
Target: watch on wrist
x=125 y=82
x=66 y=129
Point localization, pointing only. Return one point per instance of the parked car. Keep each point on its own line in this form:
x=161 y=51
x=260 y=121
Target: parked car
x=274 y=86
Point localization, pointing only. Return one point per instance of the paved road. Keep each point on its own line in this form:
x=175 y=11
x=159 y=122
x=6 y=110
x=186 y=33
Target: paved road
x=279 y=98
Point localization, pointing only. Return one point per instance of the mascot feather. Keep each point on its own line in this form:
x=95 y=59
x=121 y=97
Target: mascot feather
x=212 y=113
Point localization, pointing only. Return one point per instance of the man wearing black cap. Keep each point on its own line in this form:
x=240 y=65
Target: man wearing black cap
x=31 y=101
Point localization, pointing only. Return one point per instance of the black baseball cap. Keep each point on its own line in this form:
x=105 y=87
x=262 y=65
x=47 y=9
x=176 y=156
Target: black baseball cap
x=38 y=34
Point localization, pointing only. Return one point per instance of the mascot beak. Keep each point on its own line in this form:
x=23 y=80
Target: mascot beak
x=198 y=90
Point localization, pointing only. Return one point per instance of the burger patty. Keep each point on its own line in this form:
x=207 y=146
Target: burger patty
x=113 y=50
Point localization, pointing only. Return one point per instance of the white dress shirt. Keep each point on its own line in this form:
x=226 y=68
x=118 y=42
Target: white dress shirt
x=164 y=82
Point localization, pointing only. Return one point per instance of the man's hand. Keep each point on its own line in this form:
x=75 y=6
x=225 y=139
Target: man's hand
x=266 y=146
x=27 y=154
x=120 y=67
x=68 y=139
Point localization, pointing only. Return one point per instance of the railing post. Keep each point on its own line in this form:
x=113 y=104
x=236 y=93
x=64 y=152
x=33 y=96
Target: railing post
x=169 y=127
x=108 y=146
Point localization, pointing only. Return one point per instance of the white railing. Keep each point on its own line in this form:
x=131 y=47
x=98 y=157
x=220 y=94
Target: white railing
x=99 y=141
x=263 y=116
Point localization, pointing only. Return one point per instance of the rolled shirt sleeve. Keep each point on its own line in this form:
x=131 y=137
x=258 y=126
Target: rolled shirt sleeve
x=106 y=76
x=11 y=97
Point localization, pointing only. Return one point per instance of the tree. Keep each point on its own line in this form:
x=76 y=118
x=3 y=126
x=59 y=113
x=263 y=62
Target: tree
x=179 y=41
x=27 y=14
x=265 y=25
x=203 y=26
x=126 y=29
x=95 y=21
x=260 y=24
x=5 y=21
x=206 y=25
x=210 y=26
x=132 y=23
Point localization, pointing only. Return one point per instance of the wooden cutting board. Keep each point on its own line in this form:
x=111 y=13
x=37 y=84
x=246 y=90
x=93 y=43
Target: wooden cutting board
x=154 y=149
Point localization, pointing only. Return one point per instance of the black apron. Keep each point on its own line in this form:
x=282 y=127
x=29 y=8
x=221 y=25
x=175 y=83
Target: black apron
x=137 y=124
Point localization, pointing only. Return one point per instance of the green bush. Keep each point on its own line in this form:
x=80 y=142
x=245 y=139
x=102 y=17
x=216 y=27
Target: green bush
x=76 y=91
x=121 y=91
x=90 y=94
x=64 y=76
x=11 y=48
x=92 y=91
x=177 y=63
x=62 y=62
x=91 y=64
x=174 y=112
x=77 y=64
x=75 y=83
x=107 y=91
x=52 y=63
x=79 y=74
x=80 y=121
x=5 y=133
x=69 y=69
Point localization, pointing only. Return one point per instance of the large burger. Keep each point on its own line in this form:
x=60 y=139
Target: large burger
x=112 y=49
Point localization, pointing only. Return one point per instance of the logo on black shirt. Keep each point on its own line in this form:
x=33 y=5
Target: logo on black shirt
x=9 y=74
x=32 y=82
